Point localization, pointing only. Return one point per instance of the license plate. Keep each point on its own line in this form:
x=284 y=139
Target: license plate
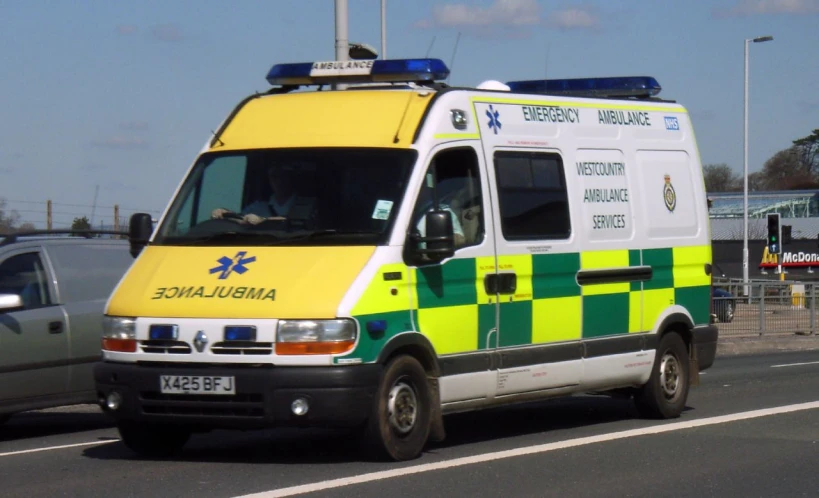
x=196 y=384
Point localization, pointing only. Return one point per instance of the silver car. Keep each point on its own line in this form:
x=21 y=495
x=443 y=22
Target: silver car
x=52 y=294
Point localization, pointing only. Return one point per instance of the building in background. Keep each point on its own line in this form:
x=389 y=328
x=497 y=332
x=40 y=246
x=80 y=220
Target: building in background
x=798 y=209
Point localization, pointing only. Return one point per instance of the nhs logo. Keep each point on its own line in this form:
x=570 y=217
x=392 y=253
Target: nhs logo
x=671 y=123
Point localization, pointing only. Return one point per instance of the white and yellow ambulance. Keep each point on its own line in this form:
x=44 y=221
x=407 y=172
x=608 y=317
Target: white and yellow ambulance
x=364 y=246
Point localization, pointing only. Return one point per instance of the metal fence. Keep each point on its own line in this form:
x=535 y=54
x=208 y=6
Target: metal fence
x=771 y=308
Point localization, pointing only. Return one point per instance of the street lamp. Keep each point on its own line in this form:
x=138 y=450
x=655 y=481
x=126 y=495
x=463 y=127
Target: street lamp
x=759 y=39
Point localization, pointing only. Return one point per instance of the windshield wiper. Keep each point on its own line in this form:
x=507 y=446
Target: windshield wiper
x=216 y=237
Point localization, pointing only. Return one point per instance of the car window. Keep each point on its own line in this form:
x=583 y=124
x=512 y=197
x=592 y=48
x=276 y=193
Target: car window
x=24 y=275
x=88 y=272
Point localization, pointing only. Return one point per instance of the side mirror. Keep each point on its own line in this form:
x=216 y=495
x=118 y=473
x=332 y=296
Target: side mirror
x=10 y=302
x=439 y=241
x=140 y=228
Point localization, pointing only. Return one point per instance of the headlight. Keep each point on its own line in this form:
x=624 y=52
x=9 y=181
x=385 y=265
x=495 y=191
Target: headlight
x=315 y=336
x=119 y=334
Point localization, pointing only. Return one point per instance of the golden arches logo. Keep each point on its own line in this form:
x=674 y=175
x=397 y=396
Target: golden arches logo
x=768 y=258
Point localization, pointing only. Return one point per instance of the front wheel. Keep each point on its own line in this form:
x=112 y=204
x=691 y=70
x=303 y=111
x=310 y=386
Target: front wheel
x=665 y=393
x=4 y=417
x=151 y=440
x=400 y=421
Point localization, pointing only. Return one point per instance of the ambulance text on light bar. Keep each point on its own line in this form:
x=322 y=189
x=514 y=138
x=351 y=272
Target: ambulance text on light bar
x=358 y=71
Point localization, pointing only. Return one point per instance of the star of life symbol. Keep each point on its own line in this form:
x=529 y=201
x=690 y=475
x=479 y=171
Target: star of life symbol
x=494 y=119
x=229 y=265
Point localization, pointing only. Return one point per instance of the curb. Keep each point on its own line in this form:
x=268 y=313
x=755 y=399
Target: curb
x=734 y=346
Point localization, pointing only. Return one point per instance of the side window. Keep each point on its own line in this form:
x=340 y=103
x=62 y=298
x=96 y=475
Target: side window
x=24 y=275
x=532 y=197
x=453 y=180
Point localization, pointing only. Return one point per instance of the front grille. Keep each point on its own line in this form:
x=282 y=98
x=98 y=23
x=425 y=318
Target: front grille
x=165 y=347
x=238 y=405
x=242 y=348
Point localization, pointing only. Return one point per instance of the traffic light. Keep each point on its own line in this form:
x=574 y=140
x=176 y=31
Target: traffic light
x=774 y=234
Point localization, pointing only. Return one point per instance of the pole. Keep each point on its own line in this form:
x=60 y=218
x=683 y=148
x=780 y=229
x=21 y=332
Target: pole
x=745 y=179
x=758 y=39
x=342 y=43
x=383 y=29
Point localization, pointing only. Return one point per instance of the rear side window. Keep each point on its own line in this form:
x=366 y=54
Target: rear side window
x=532 y=196
x=87 y=272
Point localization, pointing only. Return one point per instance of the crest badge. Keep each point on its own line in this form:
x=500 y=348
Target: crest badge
x=669 y=195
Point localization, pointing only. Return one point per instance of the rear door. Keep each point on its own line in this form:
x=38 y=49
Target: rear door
x=33 y=339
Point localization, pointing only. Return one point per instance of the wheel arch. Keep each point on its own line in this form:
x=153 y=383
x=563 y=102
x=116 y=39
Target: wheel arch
x=413 y=344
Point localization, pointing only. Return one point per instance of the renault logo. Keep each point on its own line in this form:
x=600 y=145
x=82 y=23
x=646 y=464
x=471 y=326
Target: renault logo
x=200 y=341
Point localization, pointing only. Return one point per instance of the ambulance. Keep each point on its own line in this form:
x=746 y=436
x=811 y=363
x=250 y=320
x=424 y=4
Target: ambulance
x=365 y=247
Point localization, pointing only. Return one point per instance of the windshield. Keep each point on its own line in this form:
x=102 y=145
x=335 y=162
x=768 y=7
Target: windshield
x=309 y=197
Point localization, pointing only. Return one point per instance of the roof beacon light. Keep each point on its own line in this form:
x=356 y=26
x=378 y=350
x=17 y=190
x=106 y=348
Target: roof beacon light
x=625 y=86
x=358 y=71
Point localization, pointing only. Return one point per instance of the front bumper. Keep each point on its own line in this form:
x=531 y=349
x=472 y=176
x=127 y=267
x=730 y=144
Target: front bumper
x=705 y=345
x=337 y=396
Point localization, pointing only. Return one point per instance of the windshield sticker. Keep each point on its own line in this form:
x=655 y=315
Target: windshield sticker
x=382 y=210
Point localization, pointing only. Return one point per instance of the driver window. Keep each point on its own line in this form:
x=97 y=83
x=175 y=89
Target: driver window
x=24 y=275
x=453 y=178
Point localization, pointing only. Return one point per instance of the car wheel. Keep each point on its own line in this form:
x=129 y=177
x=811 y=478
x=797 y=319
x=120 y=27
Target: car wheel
x=400 y=421
x=151 y=440
x=665 y=393
x=4 y=417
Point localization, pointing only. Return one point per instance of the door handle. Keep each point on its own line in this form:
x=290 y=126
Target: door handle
x=490 y=283
x=55 y=327
x=507 y=283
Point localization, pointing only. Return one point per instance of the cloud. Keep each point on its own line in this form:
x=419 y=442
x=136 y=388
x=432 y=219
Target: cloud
x=126 y=29
x=121 y=142
x=770 y=7
x=500 y=13
x=512 y=18
x=576 y=18
x=166 y=33
x=135 y=125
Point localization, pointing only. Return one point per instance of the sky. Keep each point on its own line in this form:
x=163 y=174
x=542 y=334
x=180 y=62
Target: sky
x=107 y=103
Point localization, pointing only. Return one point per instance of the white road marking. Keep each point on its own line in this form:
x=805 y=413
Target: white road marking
x=35 y=450
x=795 y=364
x=541 y=448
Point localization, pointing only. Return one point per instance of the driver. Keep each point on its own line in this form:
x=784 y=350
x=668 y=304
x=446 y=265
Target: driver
x=277 y=206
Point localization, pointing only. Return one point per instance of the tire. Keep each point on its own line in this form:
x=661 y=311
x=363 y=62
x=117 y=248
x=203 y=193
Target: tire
x=399 y=424
x=153 y=440
x=4 y=417
x=665 y=393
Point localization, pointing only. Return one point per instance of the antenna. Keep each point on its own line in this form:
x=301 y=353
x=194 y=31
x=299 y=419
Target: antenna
x=454 y=52
x=94 y=205
x=430 y=46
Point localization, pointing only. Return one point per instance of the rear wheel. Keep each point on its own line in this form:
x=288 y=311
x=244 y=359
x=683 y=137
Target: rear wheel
x=665 y=393
x=4 y=417
x=153 y=440
x=399 y=424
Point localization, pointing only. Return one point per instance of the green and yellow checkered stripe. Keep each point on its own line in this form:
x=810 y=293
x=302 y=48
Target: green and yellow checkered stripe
x=456 y=315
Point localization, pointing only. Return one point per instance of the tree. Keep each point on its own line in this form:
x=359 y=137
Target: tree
x=8 y=219
x=721 y=178
x=786 y=171
x=756 y=182
x=807 y=151
x=81 y=223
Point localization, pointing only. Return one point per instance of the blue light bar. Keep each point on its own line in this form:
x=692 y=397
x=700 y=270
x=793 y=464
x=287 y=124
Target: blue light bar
x=626 y=86
x=240 y=333
x=358 y=71
x=163 y=332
